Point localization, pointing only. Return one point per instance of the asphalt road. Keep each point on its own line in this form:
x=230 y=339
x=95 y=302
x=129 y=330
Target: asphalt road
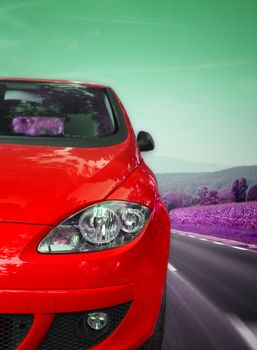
x=211 y=296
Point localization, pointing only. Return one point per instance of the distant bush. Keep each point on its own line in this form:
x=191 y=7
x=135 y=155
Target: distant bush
x=211 y=198
x=225 y=196
x=174 y=200
x=201 y=193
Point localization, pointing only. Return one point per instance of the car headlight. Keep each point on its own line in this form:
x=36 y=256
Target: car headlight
x=101 y=226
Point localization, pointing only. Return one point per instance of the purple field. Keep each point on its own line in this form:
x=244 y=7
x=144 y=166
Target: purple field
x=236 y=221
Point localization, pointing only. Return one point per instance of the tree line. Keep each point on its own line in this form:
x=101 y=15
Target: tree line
x=238 y=192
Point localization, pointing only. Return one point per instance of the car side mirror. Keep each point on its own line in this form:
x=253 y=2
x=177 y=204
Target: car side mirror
x=145 y=141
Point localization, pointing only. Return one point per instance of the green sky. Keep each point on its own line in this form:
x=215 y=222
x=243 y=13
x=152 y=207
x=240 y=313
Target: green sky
x=186 y=70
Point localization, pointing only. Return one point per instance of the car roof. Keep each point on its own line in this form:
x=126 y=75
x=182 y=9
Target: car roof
x=41 y=80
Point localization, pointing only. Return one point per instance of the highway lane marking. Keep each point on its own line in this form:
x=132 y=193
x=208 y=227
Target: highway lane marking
x=240 y=248
x=214 y=242
x=217 y=242
x=243 y=330
x=171 y=268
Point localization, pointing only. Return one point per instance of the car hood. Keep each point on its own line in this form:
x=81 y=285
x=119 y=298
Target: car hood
x=45 y=185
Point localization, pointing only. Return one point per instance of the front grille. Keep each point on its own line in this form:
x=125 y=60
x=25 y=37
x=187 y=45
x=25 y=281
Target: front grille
x=13 y=329
x=66 y=331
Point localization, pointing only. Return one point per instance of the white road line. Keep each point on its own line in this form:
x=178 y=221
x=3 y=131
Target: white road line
x=240 y=248
x=217 y=242
x=171 y=268
x=191 y=236
x=203 y=239
x=243 y=330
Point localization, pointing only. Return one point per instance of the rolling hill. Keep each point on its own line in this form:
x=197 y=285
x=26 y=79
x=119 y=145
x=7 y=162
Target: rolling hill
x=189 y=182
x=163 y=164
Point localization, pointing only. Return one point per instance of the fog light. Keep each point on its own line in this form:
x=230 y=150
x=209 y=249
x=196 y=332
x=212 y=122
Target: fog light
x=97 y=320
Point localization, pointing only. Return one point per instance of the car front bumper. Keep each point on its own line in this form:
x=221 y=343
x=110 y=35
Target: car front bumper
x=46 y=286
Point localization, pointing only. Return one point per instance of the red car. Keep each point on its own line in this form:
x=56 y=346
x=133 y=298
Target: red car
x=84 y=236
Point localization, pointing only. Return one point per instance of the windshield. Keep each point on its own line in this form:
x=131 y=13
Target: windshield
x=54 y=110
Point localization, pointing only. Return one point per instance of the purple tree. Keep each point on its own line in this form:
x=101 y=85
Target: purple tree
x=201 y=193
x=238 y=188
x=252 y=194
x=235 y=189
x=242 y=189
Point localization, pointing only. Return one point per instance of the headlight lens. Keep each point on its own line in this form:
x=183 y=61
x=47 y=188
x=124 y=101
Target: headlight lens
x=101 y=226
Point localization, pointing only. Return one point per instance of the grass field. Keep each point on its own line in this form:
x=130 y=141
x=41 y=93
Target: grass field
x=237 y=221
